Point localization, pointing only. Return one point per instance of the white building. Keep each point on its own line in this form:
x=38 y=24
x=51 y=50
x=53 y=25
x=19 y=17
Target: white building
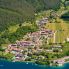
x=67 y=39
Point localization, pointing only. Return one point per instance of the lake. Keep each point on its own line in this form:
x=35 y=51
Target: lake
x=22 y=65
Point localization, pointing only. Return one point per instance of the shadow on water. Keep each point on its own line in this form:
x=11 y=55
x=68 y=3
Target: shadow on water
x=65 y=16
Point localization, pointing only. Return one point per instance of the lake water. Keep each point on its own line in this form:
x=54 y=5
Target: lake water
x=22 y=65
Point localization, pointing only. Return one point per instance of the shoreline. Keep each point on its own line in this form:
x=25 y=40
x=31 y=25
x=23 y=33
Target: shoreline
x=23 y=65
x=27 y=62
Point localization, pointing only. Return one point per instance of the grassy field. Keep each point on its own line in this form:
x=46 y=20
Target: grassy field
x=61 y=28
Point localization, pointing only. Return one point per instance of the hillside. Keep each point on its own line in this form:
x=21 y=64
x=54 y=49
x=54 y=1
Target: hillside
x=13 y=12
x=17 y=15
x=18 y=11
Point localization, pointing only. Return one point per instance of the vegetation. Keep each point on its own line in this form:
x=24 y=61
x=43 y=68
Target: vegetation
x=61 y=28
x=17 y=18
x=16 y=12
x=11 y=37
x=43 y=62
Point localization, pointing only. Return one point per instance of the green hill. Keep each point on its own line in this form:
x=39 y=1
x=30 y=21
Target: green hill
x=18 y=11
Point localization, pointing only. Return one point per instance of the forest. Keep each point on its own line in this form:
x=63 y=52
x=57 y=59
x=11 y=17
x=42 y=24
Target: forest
x=17 y=11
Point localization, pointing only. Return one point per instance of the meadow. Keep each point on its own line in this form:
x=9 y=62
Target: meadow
x=61 y=28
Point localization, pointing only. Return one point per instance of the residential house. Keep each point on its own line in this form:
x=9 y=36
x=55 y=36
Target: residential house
x=25 y=43
x=14 y=49
x=67 y=39
x=42 y=22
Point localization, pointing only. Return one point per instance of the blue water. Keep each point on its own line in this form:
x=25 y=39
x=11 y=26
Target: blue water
x=22 y=65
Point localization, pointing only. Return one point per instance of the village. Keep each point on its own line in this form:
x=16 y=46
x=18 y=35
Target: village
x=36 y=46
x=35 y=32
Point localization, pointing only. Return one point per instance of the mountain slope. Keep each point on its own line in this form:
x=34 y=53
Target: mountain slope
x=18 y=11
